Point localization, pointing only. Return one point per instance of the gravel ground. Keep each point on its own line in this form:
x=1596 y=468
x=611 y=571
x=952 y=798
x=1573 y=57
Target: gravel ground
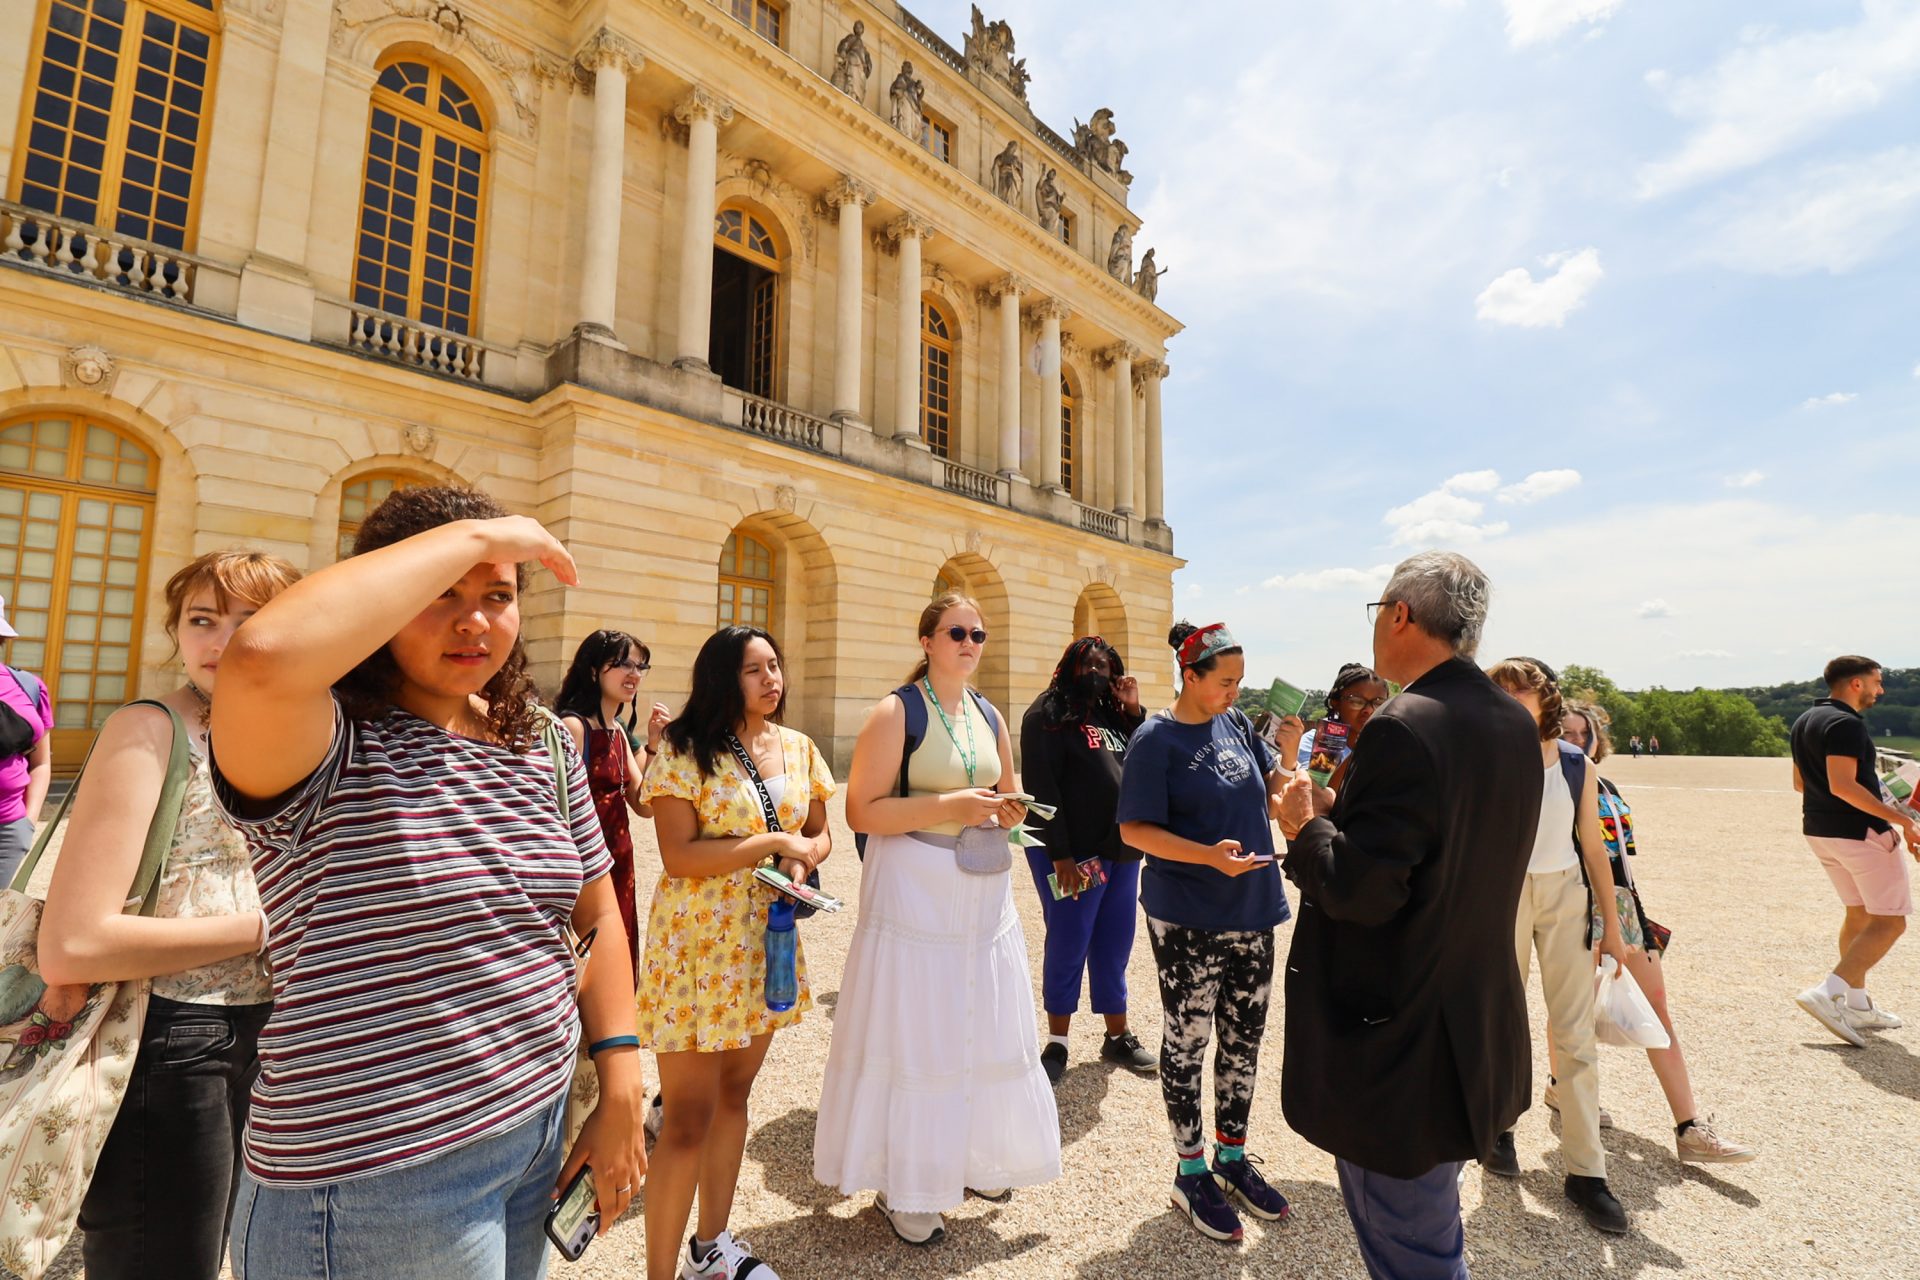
x=1753 y=918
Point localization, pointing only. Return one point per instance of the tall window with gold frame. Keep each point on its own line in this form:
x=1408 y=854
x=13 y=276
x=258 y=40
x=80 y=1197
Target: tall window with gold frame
x=418 y=254
x=746 y=583
x=741 y=233
x=763 y=16
x=936 y=135
x=76 y=520
x=117 y=101
x=936 y=377
x=1069 y=425
x=362 y=494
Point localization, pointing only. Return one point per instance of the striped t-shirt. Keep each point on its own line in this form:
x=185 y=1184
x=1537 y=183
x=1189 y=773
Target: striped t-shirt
x=415 y=885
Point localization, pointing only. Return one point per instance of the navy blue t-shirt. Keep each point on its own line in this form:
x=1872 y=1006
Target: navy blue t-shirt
x=1206 y=783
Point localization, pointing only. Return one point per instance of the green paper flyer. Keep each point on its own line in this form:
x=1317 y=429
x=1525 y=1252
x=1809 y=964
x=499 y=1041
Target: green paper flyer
x=1285 y=700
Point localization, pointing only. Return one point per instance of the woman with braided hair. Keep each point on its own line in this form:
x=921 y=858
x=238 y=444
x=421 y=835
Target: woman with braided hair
x=1356 y=694
x=1073 y=742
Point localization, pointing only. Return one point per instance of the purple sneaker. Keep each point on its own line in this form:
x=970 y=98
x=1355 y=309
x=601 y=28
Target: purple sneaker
x=1239 y=1180
x=1198 y=1196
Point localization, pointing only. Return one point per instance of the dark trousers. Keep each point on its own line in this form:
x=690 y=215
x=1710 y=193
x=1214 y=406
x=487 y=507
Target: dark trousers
x=1091 y=934
x=162 y=1193
x=1409 y=1228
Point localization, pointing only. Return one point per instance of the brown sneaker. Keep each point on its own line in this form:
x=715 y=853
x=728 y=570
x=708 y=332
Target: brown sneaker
x=1701 y=1145
x=1552 y=1098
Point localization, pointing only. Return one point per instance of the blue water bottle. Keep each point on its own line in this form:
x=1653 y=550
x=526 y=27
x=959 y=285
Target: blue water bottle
x=783 y=977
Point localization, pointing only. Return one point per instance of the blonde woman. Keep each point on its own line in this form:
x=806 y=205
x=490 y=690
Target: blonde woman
x=934 y=1087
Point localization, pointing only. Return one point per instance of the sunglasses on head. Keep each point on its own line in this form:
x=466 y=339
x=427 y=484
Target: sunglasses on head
x=959 y=634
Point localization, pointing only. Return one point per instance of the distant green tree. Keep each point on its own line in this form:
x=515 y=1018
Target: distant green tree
x=1595 y=685
x=1701 y=722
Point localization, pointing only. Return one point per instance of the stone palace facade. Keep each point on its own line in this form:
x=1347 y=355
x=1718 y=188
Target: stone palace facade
x=781 y=312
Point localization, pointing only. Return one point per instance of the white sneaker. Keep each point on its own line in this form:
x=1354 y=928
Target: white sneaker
x=656 y=1116
x=1832 y=1014
x=1873 y=1017
x=914 y=1228
x=730 y=1260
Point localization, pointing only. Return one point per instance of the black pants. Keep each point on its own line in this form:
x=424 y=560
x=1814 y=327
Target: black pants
x=162 y=1193
x=1213 y=985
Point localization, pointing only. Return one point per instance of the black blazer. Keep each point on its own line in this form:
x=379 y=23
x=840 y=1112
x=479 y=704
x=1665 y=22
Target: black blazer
x=1406 y=1041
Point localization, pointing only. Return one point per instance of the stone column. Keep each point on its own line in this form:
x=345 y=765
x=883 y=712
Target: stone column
x=1121 y=356
x=1156 y=496
x=1051 y=312
x=907 y=231
x=1008 y=291
x=610 y=59
x=703 y=113
x=849 y=200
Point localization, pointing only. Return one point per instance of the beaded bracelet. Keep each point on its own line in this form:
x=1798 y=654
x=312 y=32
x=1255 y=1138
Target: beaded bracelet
x=613 y=1042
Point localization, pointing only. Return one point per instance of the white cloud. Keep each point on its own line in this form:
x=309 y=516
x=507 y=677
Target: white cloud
x=1516 y=298
x=1776 y=91
x=1541 y=485
x=1705 y=653
x=1916 y=371
x=1472 y=482
x=1329 y=579
x=1829 y=400
x=1445 y=514
x=1830 y=216
x=1745 y=480
x=1654 y=609
x=1536 y=21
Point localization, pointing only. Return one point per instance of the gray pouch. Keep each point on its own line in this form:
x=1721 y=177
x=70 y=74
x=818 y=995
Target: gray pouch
x=983 y=851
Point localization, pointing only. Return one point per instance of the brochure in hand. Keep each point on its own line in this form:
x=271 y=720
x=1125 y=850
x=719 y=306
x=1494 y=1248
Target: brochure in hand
x=1091 y=869
x=1332 y=740
x=800 y=892
x=1284 y=699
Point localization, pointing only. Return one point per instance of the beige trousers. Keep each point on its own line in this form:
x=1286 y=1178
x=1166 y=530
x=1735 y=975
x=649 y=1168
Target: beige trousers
x=1553 y=921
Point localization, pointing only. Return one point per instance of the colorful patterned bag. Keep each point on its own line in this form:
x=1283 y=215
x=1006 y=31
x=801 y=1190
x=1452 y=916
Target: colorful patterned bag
x=65 y=1052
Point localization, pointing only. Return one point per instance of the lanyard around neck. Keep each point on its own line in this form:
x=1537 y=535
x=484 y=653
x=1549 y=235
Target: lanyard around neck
x=969 y=754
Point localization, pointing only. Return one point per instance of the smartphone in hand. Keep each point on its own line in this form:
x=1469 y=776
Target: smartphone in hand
x=574 y=1219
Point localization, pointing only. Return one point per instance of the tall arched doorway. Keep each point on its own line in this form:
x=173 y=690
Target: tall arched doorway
x=972 y=575
x=743 y=339
x=1099 y=612
x=76 y=520
x=777 y=573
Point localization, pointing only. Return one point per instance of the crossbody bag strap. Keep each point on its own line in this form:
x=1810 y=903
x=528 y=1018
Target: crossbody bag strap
x=767 y=808
x=551 y=731
x=166 y=815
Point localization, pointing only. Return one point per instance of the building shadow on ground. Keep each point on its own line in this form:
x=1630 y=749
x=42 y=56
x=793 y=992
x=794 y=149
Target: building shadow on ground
x=1887 y=1065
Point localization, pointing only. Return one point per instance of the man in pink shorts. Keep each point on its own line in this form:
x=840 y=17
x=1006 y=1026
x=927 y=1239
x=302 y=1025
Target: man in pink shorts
x=1852 y=831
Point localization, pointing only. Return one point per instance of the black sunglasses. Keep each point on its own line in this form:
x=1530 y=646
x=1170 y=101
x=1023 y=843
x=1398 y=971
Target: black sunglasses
x=959 y=634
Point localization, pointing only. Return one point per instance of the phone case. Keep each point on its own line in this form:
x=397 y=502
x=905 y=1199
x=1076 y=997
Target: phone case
x=574 y=1219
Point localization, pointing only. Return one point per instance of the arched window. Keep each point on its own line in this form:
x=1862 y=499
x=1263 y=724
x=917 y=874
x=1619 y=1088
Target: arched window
x=1069 y=424
x=419 y=248
x=936 y=377
x=118 y=95
x=744 y=332
x=362 y=494
x=76 y=507
x=746 y=582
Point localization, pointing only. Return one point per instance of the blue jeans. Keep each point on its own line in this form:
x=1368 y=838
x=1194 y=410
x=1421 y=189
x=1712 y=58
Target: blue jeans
x=476 y=1213
x=1092 y=933
x=1409 y=1228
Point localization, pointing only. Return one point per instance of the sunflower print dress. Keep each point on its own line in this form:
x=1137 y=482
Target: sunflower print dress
x=702 y=979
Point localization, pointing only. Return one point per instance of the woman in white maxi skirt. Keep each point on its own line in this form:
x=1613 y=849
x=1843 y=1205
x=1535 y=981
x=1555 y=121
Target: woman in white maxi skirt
x=934 y=1086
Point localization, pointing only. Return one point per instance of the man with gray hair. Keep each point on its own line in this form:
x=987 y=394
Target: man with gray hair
x=1406 y=1043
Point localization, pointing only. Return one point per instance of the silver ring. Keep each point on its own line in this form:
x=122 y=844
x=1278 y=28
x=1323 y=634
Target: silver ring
x=625 y=1190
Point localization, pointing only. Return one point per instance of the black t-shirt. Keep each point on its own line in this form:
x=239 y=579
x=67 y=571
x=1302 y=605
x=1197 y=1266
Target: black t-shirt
x=1077 y=768
x=1830 y=728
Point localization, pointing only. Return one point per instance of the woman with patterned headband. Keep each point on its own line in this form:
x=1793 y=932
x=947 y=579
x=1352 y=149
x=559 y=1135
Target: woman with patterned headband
x=1197 y=795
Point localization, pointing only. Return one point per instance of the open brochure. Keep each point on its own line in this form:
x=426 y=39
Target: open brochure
x=1332 y=740
x=800 y=892
x=1284 y=699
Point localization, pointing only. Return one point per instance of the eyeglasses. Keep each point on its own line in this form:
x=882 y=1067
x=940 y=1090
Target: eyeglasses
x=640 y=668
x=1359 y=703
x=1374 y=607
x=960 y=634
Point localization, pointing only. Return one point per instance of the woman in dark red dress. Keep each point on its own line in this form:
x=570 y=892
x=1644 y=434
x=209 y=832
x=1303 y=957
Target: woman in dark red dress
x=599 y=706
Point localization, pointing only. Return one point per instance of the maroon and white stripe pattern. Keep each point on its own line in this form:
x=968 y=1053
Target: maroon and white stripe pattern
x=415 y=885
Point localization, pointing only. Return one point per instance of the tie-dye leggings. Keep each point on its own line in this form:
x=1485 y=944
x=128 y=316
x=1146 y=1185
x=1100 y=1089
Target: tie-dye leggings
x=1210 y=981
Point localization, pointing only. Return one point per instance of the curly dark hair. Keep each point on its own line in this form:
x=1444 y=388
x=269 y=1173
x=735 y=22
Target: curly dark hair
x=1061 y=704
x=1351 y=674
x=715 y=703
x=366 y=692
x=580 y=689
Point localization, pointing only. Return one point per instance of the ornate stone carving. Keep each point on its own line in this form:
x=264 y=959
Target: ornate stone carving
x=1007 y=285
x=1050 y=309
x=907 y=99
x=1107 y=357
x=453 y=30
x=701 y=103
x=270 y=9
x=1009 y=173
x=759 y=175
x=909 y=224
x=989 y=49
x=841 y=194
x=974 y=539
x=852 y=64
x=785 y=498
x=1047 y=197
x=1069 y=344
x=1098 y=147
x=420 y=439
x=89 y=367
x=1146 y=281
x=609 y=48
x=1120 y=254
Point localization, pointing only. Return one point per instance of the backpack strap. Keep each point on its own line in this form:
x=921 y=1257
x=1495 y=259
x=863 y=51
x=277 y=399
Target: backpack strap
x=551 y=731
x=915 y=704
x=987 y=713
x=166 y=816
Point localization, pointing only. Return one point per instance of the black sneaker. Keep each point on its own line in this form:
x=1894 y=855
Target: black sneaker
x=1604 y=1213
x=1503 y=1159
x=1239 y=1181
x=1126 y=1050
x=1053 y=1060
x=1199 y=1197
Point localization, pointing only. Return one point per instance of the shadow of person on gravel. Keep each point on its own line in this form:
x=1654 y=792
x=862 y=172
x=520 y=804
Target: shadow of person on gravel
x=1641 y=1167
x=1079 y=1095
x=817 y=1246
x=1507 y=1236
x=1315 y=1240
x=1887 y=1065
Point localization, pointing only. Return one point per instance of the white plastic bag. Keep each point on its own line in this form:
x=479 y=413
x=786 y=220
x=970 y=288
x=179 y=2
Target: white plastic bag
x=1621 y=1014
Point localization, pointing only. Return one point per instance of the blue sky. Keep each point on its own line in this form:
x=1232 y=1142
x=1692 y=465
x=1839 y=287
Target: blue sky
x=1616 y=296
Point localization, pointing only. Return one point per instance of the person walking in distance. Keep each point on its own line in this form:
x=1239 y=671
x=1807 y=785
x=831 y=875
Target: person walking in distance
x=1852 y=831
x=1406 y=1043
x=26 y=756
x=1073 y=744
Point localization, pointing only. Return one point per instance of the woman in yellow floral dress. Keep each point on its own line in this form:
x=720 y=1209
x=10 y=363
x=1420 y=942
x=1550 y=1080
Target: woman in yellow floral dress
x=702 y=1001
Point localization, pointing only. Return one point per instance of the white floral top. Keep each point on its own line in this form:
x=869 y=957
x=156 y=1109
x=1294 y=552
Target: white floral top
x=208 y=872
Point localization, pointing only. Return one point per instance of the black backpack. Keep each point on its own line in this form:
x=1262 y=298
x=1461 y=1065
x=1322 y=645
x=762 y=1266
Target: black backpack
x=915 y=703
